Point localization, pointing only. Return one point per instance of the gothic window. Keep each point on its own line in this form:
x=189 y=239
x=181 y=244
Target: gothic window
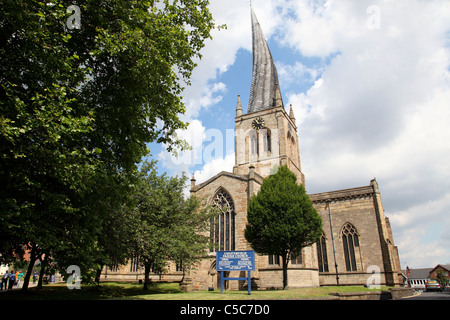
x=254 y=143
x=114 y=267
x=222 y=226
x=179 y=266
x=350 y=241
x=267 y=143
x=322 y=254
x=134 y=264
x=297 y=259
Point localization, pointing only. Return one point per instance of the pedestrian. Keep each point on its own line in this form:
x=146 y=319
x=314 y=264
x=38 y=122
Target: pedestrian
x=34 y=277
x=12 y=279
x=5 y=280
x=19 y=277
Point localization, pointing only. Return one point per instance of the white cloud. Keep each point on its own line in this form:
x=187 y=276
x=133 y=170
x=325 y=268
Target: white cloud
x=210 y=95
x=297 y=73
x=184 y=160
x=417 y=254
x=219 y=54
x=207 y=151
x=214 y=167
x=380 y=109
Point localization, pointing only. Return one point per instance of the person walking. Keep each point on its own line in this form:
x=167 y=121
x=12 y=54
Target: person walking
x=19 y=277
x=5 y=280
x=12 y=279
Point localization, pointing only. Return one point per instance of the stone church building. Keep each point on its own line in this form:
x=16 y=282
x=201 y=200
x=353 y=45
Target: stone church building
x=357 y=238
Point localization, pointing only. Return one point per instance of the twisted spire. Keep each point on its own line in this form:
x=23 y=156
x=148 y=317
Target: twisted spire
x=265 y=91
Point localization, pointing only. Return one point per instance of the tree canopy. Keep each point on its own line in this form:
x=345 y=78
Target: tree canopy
x=166 y=225
x=78 y=107
x=282 y=219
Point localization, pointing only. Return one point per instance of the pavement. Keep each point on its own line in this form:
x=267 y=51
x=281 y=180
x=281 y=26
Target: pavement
x=431 y=296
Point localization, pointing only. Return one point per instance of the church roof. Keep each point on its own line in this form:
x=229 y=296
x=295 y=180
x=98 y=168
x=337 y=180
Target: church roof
x=258 y=178
x=265 y=91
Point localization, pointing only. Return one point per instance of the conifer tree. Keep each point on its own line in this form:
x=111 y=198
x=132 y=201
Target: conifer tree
x=282 y=219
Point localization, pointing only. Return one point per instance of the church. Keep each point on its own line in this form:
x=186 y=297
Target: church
x=356 y=247
x=357 y=238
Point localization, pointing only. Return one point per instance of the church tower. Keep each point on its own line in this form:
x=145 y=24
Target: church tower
x=266 y=136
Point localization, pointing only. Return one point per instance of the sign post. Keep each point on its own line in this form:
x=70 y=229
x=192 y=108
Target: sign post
x=235 y=261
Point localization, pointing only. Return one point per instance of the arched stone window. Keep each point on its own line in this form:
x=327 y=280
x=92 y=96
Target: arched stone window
x=350 y=241
x=253 y=143
x=222 y=226
x=322 y=255
x=266 y=138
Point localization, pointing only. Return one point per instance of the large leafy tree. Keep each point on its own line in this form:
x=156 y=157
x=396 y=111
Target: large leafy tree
x=78 y=107
x=282 y=219
x=167 y=225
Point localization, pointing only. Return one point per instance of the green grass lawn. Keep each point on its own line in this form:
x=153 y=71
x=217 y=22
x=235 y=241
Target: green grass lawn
x=165 y=291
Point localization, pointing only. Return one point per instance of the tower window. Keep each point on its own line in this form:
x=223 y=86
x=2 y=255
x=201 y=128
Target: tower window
x=254 y=143
x=267 y=143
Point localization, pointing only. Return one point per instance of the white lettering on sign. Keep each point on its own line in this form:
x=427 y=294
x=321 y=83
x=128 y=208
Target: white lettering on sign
x=235 y=260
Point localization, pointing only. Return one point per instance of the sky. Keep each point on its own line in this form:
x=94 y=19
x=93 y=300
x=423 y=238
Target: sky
x=369 y=83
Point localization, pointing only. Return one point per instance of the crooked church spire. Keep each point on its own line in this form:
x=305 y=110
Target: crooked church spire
x=265 y=91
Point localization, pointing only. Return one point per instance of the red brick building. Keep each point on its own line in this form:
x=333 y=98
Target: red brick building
x=444 y=267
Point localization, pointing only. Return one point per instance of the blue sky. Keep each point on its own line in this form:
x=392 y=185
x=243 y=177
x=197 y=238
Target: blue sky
x=369 y=82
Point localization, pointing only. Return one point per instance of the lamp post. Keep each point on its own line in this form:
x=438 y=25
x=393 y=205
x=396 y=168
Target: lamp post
x=332 y=240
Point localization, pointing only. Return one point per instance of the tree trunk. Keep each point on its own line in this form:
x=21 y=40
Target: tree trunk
x=33 y=258
x=44 y=262
x=147 y=282
x=285 y=260
x=97 y=276
x=41 y=276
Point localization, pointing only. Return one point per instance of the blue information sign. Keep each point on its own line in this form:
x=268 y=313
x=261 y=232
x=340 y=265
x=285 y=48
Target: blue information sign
x=235 y=261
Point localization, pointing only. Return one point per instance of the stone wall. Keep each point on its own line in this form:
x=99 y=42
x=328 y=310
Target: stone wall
x=359 y=207
x=391 y=294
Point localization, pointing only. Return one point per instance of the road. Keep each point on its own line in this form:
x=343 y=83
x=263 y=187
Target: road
x=431 y=296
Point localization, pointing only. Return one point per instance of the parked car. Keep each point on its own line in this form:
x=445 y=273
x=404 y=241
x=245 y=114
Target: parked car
x=432 y=285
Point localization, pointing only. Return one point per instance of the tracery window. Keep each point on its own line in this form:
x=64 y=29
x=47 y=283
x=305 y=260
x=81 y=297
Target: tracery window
x=350 y=241
x=222 y=226
x=322 y=254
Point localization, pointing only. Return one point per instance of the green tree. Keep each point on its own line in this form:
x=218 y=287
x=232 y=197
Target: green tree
x=167 y=225
x=282 y=219
x=442 y=278
x=80 y=105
